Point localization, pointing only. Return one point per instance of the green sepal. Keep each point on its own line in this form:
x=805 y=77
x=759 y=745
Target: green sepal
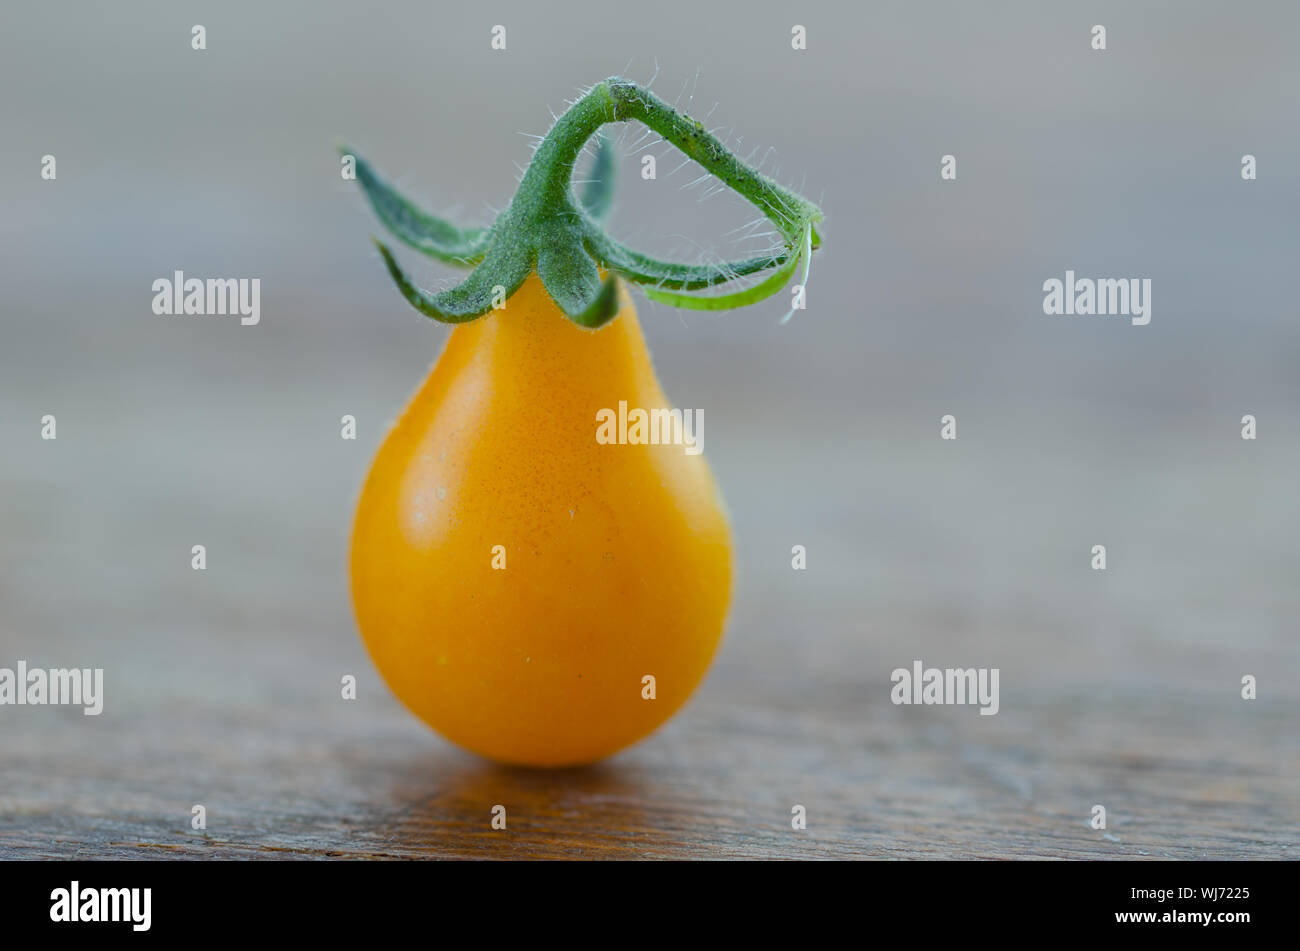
x=573 y=281
x=764 y=289
x=598 y=190
x=423 y=231
x=472 y=298
x=643 y=269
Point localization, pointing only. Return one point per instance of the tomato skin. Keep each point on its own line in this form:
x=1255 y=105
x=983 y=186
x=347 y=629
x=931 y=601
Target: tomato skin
x=618 y=560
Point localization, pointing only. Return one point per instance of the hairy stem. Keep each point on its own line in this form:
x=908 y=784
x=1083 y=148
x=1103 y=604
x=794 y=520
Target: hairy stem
x=548 y=228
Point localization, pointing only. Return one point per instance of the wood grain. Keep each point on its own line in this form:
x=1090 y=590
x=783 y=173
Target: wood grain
x=223 y=686
x=336 y=780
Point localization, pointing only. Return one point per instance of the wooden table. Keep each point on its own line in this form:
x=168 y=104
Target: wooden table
x=286 y=769
x=1118 y=688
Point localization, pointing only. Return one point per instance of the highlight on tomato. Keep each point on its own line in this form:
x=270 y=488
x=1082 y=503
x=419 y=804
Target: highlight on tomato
x=536 y=594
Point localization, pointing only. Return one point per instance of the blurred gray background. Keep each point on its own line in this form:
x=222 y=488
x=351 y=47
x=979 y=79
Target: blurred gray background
x=925 y=300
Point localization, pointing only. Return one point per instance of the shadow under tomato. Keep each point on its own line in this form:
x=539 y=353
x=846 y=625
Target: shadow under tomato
x=583 y=812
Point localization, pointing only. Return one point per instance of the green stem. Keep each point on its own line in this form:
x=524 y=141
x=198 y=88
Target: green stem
x=547 y=228
x=789 y=211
